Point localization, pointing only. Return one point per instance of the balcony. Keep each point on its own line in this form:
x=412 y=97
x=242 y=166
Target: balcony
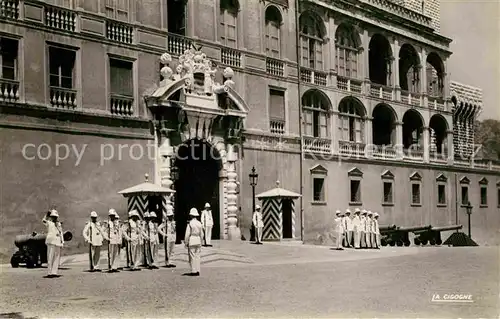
x=317 y=145
x=62 y=98
x=9 y=90
x=277 y=126
x=313 y=76
x=177 y=44
x=230 y=57
x=413 y=154
x=438 y=157
x=349 y=85
x=381 y=91
x=275 y=67
x=9 y=9
x=410 y=98
x=58 y=18
x=436 y=103
x=384 y=152
x=119 y=32
x=355 y=149
x=121 y=105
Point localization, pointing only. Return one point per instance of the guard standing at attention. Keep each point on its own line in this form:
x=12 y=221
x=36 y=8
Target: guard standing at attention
x=376 y=231
x=348 y=227
x=339 y=230
x=167 y=230
x=93 y=234
x=114 y=235
x=258 y=224
x=368 y=230
x=143 y=241
x=362 y=228
x=154 y=240
x=54 y=242
x=356 y=224
x=207 y=222
x=192 y=241
x=132 y=235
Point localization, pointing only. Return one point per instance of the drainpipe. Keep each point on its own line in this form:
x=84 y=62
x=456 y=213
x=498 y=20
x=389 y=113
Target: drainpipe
x=456 y=200
x=297 y=52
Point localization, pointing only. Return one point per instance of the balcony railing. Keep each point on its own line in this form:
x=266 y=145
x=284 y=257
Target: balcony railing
x=313 y=76
x=9 y=9
x=410 y=98
x=381 y=91
x=230 y=57
x=9 y=90
x=350 y=85
x=62 y=98
x=438 y=157
x=277 y=126
x=436 y=103
x=384 y=152
x=348 y=148
x=177 y=44
x=119 y=32
x=122 y=105
x=275 y=67
x=59 y=18
x=413 y=154
x=317 y=145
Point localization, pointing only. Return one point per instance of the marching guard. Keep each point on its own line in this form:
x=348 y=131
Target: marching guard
x=154 y=240
x=114 y=236
x=143 y=241
x=368 y=230
x=93 y=235
x=356 y=224
x=207 y=222
x=54 y=242
x=348 y=228
x=132 y=235
x=258 y=224
x=376 y=232
x=362 y=228
x=192 y=241
x=167 y=230
x=339 y=230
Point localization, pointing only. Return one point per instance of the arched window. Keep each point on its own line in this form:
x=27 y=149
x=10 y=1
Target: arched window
x=228 y=29
x=347 y=47
x=273 y=32
x=312 y=32
x=351 y=121
x=315 y=106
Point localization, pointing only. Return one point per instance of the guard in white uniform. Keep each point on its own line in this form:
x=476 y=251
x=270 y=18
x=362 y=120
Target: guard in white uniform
x=193 y=240
x=339 y=230
x=356 y=225
x=168 y=231
x=93 y=234
x=363 y=228
x=54 y=242
x=368 y=230
x=132 y=235
x=207 y=222
x=349 y=228
x=376 y=231
x=143 y=241
x=154 y=240
x=258 y=224
x=113 y=234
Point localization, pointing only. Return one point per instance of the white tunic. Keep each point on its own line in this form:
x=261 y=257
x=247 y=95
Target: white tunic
x=349 y=224
x=54 y=233
x=257 y=219
x=153 y=233
x=114 y=232
x=206 y=218
x=376 y=229
x=168 y=230
x=92 y=233
x=338 y=225
x=356 y=223
x=362 y=226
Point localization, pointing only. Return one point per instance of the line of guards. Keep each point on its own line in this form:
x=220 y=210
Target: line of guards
x=139 y=237
x=357 y=231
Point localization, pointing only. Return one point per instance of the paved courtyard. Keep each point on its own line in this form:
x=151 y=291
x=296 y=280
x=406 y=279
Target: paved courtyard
x=272 y=280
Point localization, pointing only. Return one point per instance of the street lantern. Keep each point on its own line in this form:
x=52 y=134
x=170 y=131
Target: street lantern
x=469 y=212
x=254 y=177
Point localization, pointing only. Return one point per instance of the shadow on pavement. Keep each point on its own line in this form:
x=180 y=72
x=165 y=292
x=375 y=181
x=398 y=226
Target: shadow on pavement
x=15 y=315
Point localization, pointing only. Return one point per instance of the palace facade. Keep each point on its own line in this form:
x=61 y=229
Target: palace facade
x=348 y=103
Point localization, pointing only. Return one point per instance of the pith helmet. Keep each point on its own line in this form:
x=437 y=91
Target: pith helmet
x=257 y=206
x=93 y=214
x=133 y=213
x=363 y=212
x=152 y=215
x=370 y=213
x=347 y=211
x=116 y=215
x=170 y=212
x=376 y=215
x=338 y=212
x=193 y=212
x=54 y=213
x=112 y=212
x=146 y=214
x=357 y=211
x=207 y=205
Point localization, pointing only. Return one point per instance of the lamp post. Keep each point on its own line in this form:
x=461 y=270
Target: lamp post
x=174 y=176
x=469 y=211
x=253 y=182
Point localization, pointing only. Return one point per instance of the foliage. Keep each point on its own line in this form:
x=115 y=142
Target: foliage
x=487 y=133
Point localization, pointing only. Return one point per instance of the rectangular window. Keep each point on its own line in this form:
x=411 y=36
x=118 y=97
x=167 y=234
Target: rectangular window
x=121 y=77
x=117 y=9
x=228 y=28
x=498 y=197
x=441 y=194
x=277 y=104
x=319 y=189
x=61 y=67
x=8 y=59
x=387 y=193
x=355 y=191
x=415 y=194
x=484 y=196
x=347 y=62
x=465 y=195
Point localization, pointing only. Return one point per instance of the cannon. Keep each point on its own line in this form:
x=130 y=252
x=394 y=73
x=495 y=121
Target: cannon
x=32 y=249
x=433 y=235
x=399 y=236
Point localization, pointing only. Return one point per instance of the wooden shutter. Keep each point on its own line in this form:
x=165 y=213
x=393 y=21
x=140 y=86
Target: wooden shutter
x=323 y=125
x=305 y=50
x=318 y=49
x=308 y=123
x=358 y=128
x=121 y=80
x=230 y=20
x=272 y=40
x=341 y=63
x=354 y=64
x=277 y=104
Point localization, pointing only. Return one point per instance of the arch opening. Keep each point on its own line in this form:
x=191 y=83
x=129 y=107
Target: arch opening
x=312 y=33
x=383 y=127
x=198 y=164
x=347 y=43
x=273 y=31
x=315 y=107
x=380 y=60
x=438 y=134
x=413 y=126
x=409 y=68
x=435 y=75
x=351 y=120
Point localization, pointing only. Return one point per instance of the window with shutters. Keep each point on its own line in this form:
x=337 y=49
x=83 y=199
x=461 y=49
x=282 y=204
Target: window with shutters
x=8 y=58
x=315 y=106
x=277 y=114
x=61 y=67
x=441 y=194
x=415 y=194
x=465 y=195
x=117 y=9
x=388 y=193
x=273 y=32
x=351 y=121
x=318 y=189
x=347 y=46
x=484 y=196
x=228 y=20
x=355 y=192
x=312 y=33
x=318 y=181
x=121 y=77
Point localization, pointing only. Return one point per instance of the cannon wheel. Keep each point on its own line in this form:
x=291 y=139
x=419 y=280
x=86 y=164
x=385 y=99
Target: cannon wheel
x=383 y=242
x=439 y=242
x=424 y=242
x=416 y=241
x=406 y=243
x=392 y=243
x=399 y=243
x=432 y=241
x=14 y=261
x=31 y=259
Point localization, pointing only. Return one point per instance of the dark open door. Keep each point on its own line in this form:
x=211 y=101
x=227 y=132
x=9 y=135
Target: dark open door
x=286 y=208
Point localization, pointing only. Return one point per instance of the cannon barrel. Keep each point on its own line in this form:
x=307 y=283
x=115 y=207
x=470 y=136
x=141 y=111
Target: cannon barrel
x=445 y=228
x=387 y=227
x=415 y=228
x=22 y=240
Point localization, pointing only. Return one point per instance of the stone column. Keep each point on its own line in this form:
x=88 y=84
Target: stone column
x=427 y=141
x=423 y=79
x=395 y=68
x=165 y=153
x=232 y=198
x=335 y=131
x=398 y=143
x=364 y=51
x=368 y=136
x=449 y=145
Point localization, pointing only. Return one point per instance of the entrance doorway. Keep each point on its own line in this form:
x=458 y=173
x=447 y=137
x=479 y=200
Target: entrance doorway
x=198 y=165
x=286 y=208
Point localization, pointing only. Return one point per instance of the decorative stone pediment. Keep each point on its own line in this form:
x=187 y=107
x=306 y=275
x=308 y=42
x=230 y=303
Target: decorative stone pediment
x=387 y=174
x=464 y=180
x=441 y=178
x=319 y=169
x=415 y=176
x=483 y=181
x=355 y=172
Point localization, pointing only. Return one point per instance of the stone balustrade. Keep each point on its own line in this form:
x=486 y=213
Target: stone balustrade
x=63 y=98
x=9 y=90
x=119 y=32
x=9 y=9
x=349 y=85
x=436 y=103
x=121 y=105
x=313 y=76
x=317 y=145
x=275 y=67
x=230 y=57
x=177 y=44
x=59 y=18
x=354 y=149
x=277 y=126
x=381 y=91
